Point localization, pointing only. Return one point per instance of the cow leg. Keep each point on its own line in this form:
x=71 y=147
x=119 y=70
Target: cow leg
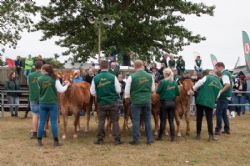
x=156 y=120
x=187 y=121
x=125 y=122
x=65 y=121
x=176 y=115
x=76 y=122
x=87 y=119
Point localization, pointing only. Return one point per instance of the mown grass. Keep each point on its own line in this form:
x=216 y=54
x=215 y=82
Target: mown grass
x=16 y=148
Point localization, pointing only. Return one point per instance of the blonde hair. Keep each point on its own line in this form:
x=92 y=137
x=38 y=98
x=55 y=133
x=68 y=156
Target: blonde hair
x=168 y=74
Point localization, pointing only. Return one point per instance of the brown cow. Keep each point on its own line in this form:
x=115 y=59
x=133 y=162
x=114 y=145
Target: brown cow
x=73 y=101
x=183 y=104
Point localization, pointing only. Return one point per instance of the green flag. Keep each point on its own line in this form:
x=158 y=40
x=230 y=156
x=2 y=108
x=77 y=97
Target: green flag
x=246 y=46
x=213 y=59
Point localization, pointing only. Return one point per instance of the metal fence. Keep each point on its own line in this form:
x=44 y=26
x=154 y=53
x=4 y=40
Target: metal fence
x=3 y=92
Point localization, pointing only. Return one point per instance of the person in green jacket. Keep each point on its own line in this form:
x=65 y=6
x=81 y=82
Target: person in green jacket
x=49 y=86
x=13 y=84
x=34 y=96
x=28 y=66
x=106 y=87
x=139 y=88
x=224 y=97
x=208 y=89
x=168 y=91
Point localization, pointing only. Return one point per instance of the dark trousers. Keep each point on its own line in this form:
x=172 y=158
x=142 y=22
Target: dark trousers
x=221 y=113
x=112 y=112
x=167 y=108
x=199 y=116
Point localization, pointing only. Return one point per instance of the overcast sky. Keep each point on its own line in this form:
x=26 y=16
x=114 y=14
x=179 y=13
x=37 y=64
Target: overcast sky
x=223 y=33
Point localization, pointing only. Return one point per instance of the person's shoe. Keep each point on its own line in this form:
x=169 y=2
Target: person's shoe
x=226 y=132
x=159 y=139
x=198 y=137
x=150 y=143
x=134 y=143
x=217 y=133
x=172 y=139
x=40 y=142
x=99 y=142
x=212 y=138
x=118 y=142
x=34 y=135
x=56 y=144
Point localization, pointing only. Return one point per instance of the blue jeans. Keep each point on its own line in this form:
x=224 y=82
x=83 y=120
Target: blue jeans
x=34 y=107
x=221 y=113
x=26 y=73
x=44 y=111
x=145 y=109
x=240 y=100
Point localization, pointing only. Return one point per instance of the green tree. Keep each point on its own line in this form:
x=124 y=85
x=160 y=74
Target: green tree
x=15 y=17
x=142 y=28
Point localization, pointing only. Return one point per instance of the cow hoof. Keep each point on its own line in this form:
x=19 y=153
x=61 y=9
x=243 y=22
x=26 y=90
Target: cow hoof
x=166 y=134
x=187 y=134
x=86 y=130
x=78 y=129
x=179 y=135
x=64 y=137
x=155 y=133
x=75 y=136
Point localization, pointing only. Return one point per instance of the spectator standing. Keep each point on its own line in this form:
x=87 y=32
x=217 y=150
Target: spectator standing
x=165 y=60
x=28 y=66
x=241 y=86
x=140 y=86
x=77 y=77
x=180 y=66
x=49 y=86
x=114 y=69
x=19 y=65
x=13 y=84
x=40 y=58
x=156 y=74
x=91 y=74
x=34 y=96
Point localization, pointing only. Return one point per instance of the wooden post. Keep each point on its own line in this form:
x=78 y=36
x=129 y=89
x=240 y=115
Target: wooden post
x=2 y=103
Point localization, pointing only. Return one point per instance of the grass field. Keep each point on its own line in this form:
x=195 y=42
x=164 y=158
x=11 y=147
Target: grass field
x=16 y=148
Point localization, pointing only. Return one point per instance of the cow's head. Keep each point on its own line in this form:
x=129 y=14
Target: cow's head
x=187 y=85
x=68 y=76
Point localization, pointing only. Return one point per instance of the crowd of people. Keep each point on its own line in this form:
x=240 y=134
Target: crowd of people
x=110 y=88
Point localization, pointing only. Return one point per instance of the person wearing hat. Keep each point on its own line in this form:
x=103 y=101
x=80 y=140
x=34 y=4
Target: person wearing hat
x=106 y=87
x=198 y=64
x=208 y=89
x=180 y=66
x=171 y=63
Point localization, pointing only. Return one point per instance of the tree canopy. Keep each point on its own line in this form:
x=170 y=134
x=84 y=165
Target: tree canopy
x=142 y=28
x=15 y=17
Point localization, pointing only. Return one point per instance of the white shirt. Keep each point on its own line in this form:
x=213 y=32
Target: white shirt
x=225 y=80
x=128 y=86
x=199 y=83
x=117 y=87
x=60 y=88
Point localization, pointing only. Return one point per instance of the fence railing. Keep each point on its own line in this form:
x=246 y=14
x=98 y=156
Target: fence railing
x=2 y=104
x=3 y=92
